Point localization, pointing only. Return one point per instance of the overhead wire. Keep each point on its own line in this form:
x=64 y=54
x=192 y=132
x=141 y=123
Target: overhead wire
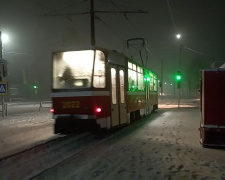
x=51 y=10
x=134 y=28
x=118 y=8
x=114 y=32
x=68 y=6
x=114 y=9
x=115 y=5
x=138 y=32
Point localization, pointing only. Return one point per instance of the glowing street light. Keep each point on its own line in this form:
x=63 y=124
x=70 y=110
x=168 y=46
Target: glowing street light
x=178 y=36
x=5 y=38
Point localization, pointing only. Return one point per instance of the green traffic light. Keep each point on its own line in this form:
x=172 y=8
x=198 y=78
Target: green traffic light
x=178 y=77
x=35 y=87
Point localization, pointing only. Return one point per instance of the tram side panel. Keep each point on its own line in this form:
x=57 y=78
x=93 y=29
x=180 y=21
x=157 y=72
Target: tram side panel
x=154 y=100
x=135 y=104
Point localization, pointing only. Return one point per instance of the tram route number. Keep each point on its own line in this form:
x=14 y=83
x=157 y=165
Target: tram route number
x=70 y=104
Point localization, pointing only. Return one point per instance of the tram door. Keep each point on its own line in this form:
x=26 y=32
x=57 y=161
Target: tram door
x=118 y=96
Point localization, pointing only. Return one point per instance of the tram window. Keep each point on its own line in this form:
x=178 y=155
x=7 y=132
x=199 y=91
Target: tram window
x=130 y=65
x=113 y=85
x=155 y=83
x=72 y=69
x=99 y=70
x=138 y=69
x=151 y=82
x=134 y=67
x=121 y=86
x=132 y=80
x=140 y=82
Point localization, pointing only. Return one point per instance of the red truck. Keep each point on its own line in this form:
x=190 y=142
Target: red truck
x=212 y=107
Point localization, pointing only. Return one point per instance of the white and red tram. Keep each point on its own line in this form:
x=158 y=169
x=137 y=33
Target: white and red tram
x=100 y=86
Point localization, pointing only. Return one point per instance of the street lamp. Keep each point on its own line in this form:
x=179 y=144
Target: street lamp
x=5 y=38
x=178 y=36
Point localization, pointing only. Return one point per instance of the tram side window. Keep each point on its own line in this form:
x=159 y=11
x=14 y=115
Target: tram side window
x=135 y=77
x=99 y=70
x=156 y=83
x=140 y=82
x=130 y=65
x=153 y=82
x=132 y=80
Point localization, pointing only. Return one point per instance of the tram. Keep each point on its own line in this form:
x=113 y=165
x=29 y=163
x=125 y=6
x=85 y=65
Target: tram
x=102 y=87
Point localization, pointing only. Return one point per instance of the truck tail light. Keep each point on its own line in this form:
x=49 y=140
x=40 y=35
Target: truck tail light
x=98 y=109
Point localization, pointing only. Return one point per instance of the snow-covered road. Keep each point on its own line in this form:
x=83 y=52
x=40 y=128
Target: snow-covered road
x=164 y=145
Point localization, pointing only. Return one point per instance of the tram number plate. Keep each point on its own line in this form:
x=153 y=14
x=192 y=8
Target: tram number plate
x=70 y=104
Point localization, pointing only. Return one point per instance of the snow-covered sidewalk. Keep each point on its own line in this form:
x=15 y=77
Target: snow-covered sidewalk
x=23 y=130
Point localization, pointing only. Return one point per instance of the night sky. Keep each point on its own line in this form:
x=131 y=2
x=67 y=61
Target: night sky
x=34 y=34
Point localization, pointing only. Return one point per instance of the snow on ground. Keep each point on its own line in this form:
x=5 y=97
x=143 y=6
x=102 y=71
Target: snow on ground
x=164 y=145
x=21 y=131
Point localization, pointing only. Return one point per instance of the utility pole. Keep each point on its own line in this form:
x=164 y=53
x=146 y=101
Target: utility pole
x=179 y=82
x=1 y=74
x=161 y=77
x=92 y=14
x=0 y=45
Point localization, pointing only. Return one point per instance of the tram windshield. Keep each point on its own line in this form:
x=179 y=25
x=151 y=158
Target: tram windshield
x=77 y=69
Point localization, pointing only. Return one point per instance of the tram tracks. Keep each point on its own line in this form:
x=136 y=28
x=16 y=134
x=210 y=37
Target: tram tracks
x=37 y=160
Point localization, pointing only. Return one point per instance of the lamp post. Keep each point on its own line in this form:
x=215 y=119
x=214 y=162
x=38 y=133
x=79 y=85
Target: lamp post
x=0 y=45
x=3 y=72
x=178 y=36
